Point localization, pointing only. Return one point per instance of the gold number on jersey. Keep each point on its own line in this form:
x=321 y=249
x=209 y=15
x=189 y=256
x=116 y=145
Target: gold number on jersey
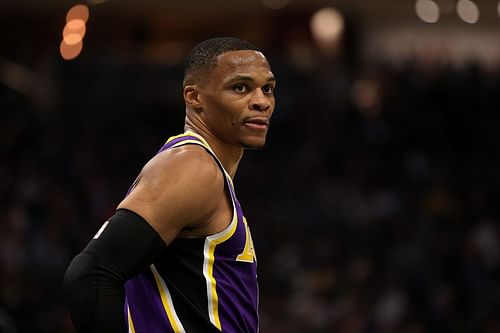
x=248 y=254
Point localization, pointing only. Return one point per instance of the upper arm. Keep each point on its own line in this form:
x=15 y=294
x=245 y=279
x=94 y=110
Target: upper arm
x=178 y=188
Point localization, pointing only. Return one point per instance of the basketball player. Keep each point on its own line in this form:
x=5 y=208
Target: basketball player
x=177 y=256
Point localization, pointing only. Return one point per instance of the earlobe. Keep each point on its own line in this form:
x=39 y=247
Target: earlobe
x=192 y=97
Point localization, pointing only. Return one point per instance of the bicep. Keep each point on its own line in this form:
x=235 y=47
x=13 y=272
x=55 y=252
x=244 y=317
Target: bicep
x=176 y=190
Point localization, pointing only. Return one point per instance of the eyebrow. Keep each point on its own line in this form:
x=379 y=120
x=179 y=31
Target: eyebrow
x=249 y=78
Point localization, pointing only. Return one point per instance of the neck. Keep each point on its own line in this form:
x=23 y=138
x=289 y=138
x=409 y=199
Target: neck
x=228 y=155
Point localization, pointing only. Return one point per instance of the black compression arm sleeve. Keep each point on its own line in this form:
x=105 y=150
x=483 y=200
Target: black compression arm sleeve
x=94 y=280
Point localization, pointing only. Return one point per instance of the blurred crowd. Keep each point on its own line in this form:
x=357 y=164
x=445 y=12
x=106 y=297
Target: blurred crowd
x=374 y=206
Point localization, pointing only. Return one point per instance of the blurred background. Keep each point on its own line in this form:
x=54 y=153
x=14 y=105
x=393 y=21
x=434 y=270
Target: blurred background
x=375 y=205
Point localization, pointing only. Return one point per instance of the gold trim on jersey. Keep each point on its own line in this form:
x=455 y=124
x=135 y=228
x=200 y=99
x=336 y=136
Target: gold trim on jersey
x=166 y=300
x=203 y=143
x=212 y=241
x=248 y=254
x=208 y=267
x=175 y=137
x=131 y=328
x=181 y=143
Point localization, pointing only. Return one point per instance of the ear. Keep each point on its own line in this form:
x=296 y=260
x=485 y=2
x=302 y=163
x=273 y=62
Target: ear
x=192 y=97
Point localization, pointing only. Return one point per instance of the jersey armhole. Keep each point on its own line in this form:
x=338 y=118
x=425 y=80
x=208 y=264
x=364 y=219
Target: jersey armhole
x=227 y=186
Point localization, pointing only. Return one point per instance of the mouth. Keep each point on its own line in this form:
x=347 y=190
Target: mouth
x=257 y=123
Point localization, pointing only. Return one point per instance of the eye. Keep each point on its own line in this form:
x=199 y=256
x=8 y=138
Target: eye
x=240 y=88
x=268 y=89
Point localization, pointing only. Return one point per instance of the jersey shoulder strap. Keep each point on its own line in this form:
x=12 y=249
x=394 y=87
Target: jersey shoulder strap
x=182 y=139
x=194 y=138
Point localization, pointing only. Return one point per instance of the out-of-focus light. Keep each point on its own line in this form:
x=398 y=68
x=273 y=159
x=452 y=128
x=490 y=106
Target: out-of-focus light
x=74 y=27
x=72 y=39
x=327 y=25
x=68 y=51
x=96 y=2
x=78 y=12
x=74 y=31
x=498 y=8
x=275 y=4
x=468 y=11
x=365 y=94
x=427 y=11
x=16 y=76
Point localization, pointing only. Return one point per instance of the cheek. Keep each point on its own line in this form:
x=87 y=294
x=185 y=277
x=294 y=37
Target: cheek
x=227 y=111
x=225 y=117
x=233 y=113
x=235 y=120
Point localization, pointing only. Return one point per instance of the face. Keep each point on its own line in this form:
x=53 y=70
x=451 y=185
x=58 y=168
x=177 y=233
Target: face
x=238 y=98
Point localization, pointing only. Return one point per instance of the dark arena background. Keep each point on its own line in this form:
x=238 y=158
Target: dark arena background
x=375 y=205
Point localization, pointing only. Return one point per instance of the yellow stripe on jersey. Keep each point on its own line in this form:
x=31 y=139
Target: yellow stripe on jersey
x=175 y=137
x=182 y=143
x=189 y=133
x=166 y=300
x=212 y=241
x=131 y=328
x=208 y=267
x=205 y=143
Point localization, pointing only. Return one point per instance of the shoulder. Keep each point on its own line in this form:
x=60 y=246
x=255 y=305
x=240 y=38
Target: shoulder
x=189 y=163
x=178 y=188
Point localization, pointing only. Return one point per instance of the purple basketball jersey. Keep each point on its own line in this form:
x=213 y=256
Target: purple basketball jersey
x=199 y=285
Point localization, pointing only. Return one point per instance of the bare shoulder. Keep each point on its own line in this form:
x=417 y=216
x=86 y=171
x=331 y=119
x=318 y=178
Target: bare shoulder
x=178 y=188
x=189 y=163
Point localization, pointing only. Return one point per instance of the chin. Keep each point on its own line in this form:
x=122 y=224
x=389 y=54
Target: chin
x=254 y=143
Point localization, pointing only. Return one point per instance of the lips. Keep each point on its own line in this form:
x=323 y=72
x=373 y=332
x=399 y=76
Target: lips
x=257 y=121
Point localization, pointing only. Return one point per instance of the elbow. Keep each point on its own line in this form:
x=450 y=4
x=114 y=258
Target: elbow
x=78 y=274
x=94 y=295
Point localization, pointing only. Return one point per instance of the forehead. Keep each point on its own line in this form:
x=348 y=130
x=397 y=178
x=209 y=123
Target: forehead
x=233 y=62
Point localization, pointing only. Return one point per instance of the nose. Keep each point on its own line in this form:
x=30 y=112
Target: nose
x=259 y=101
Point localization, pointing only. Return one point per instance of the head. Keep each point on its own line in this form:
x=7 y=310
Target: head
x=229 y=91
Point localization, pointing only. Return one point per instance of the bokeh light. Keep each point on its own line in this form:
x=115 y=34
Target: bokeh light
x=72 y=39
x=74 y=31
x=365 y=95
x=70 y=51
x=468 y=11
x=427 y=11
x=78 y=12
x=327 y=26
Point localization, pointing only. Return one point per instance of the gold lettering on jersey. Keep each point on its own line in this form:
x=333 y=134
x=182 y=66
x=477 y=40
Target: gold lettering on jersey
x=248 y=254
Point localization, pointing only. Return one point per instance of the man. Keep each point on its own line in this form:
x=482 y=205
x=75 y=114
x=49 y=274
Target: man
x=178 y=256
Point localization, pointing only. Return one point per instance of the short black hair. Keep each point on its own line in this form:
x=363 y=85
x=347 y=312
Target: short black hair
x=202 y=59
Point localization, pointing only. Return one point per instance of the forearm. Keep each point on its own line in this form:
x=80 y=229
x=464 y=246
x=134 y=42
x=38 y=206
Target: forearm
x=95 y=296
x=94 y=281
